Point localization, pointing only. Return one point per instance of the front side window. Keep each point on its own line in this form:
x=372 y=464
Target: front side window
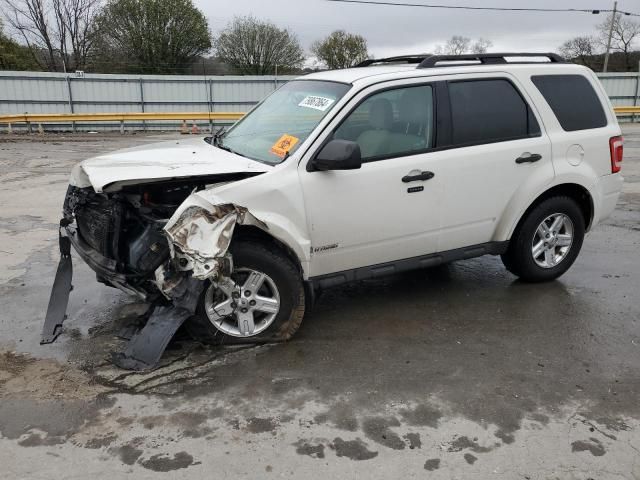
x=487 y=111
x=573 y=101
x=279 y=125
x=391 y=123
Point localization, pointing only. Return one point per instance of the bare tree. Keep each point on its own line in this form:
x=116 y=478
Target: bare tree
x=14 y=56
x=341 y=50
x=624 y=36
x=581 y=50
x=58 y=32
x=32 y=20
x=75 y=24
x=481 y=45
x=459 y=45
x=256 y=47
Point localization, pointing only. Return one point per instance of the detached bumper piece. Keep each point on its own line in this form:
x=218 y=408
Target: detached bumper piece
x=146 y=347
x=57 y=309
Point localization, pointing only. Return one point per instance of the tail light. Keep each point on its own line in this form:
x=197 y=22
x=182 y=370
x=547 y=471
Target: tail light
x=616 y=148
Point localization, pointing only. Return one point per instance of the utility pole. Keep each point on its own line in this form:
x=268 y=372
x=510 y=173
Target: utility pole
x=275 y=79
x=207 y=90
x=613 y=22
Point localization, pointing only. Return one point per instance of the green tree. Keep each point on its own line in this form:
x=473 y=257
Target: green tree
x=14 y=56
x=254 y=47
x=341 y=50
x=151 y=36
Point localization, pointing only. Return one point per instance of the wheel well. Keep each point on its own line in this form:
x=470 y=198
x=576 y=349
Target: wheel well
x=251 y=232
x=577 y=192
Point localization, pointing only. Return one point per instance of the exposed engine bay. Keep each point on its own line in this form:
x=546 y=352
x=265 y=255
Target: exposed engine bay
x=123 y=237
x=125 y=228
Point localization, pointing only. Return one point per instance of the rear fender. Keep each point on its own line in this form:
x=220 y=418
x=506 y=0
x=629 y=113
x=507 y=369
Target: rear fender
x=528 y=195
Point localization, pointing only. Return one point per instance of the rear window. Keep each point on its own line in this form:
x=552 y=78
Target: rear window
x=573 y=101
x=486 y=111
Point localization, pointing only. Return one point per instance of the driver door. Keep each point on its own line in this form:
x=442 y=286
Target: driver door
x=388 y=209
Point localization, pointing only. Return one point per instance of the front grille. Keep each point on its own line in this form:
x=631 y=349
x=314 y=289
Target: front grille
x=96 y=218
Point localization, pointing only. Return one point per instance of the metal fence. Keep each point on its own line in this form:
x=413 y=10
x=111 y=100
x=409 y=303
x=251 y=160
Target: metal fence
x=43 y=92
x=623 y=90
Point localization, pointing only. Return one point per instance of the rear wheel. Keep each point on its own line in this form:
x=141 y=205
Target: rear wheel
x=262 y=301
x=547 y=242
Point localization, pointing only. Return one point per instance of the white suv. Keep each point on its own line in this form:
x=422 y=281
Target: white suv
x=398 y=164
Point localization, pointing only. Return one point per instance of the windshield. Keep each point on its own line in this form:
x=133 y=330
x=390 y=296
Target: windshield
x=279 y=125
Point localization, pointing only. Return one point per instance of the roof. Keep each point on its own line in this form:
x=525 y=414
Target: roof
x=376 y=73
x=351 y=75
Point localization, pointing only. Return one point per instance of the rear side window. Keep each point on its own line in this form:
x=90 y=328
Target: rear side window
x=486 y=111
x=573 y=101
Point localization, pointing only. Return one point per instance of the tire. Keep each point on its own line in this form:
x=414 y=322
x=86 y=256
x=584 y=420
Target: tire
x=281 y=276
x=553 y=258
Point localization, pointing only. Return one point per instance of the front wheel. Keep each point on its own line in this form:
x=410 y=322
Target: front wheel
x=262 y=301
x=547 y=242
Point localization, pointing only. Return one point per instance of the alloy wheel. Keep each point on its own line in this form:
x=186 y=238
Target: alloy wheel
x=243 y=306
x=552 y=240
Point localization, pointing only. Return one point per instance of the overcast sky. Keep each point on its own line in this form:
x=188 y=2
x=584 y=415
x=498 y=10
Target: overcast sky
x=404 y=30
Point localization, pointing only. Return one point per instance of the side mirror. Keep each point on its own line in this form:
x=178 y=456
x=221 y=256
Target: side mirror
x=338 y=155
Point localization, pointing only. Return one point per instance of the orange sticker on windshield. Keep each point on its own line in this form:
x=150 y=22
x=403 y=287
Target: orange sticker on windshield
x=284 y=144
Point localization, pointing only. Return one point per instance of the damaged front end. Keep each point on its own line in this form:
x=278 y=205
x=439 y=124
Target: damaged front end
x=148 y=241
x=200 y=234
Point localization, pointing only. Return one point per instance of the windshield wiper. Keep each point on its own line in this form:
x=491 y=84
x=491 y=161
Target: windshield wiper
x=230 y=150
x=216 y=141
x=217 y=137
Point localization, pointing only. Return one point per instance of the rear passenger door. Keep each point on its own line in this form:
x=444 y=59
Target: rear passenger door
x=495 y=145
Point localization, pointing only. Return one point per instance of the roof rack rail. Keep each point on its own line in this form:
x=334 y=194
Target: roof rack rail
x=398 y=59
x=485 y=59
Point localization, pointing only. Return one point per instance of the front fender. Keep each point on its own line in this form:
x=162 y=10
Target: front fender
x=213 y=237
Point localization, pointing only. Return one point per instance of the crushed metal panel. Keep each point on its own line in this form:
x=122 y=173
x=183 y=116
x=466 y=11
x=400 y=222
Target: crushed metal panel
x=203 y=236
x=200 y=234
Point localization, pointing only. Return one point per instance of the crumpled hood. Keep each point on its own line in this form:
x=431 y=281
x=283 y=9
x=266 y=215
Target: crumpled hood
x=159 y=161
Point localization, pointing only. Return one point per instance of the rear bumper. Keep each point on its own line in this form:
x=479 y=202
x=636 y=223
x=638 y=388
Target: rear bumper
x=608 y=188
x=106 y=268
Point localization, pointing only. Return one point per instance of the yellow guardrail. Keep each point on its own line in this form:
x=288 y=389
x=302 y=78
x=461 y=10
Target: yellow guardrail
x=117 y=117
x=623 y=110
x=39 y=118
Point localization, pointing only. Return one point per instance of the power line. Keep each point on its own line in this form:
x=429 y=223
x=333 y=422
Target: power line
x=495 y=9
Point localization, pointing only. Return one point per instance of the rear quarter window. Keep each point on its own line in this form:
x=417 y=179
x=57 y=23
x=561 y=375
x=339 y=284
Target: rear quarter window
x=573 y=101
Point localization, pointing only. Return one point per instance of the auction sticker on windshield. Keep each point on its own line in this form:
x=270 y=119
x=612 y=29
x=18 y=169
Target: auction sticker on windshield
x=284 y=144
x=317 y=103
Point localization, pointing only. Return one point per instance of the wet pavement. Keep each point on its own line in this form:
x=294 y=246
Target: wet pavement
x=455 y=372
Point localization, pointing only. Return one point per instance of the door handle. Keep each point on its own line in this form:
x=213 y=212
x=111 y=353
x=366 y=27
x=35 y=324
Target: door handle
x=420 y=176
x=534 y=157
